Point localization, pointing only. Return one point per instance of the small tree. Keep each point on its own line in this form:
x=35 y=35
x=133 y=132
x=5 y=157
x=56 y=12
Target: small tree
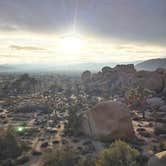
x=137 y=97
x=119 y=154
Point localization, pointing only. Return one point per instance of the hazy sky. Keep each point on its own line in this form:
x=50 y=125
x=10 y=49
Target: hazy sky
x=109 y=30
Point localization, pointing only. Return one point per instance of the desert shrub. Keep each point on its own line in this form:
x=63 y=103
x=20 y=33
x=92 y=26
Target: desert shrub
x=60 y=158
x=10 y=145
x=86 y=161
x=66 y=157
x=119 y=154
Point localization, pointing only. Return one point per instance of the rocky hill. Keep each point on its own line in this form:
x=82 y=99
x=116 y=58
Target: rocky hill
x=151 y=64
x=118 y=80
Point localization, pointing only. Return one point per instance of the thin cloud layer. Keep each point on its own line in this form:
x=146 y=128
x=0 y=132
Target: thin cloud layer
x=113 y=30
x=28 y=48
x=127 y=19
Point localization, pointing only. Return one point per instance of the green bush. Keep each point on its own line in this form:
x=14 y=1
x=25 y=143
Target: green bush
x=86 y=161
x=60 y=158
x=66 y=157
x=119 y=154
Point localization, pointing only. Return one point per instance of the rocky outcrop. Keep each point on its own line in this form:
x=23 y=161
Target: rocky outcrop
x=108 y=80
x=158 y=160
x=86 y=76
x=122 y=77
x=108 y=120
x=106 y=69
x=125 y=68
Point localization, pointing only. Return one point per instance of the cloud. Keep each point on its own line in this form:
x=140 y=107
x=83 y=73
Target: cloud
x=28 y=48
x=137 y=20
x=5 y=27
x=8 y=56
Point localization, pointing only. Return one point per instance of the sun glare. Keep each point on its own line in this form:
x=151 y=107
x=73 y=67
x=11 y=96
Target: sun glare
x=71 y=43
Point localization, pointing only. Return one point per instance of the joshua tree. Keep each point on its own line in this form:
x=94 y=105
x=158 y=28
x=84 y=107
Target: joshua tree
x=74 y=122
x=137 y=97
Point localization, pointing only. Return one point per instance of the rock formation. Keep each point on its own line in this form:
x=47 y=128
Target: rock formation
x=108 y=120
x=86 y=76
x=118 y=79
x=125 y=68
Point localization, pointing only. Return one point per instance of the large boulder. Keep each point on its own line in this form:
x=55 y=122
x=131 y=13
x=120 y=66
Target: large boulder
x=158 y=159
x=107 y=121
x=106 y=69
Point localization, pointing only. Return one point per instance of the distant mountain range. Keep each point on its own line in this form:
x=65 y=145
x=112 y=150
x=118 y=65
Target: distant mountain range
x=78 y=68
x=5 y=68
x=152 y=64
x=64 y=68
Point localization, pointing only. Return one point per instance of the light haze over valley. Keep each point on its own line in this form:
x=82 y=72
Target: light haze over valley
x=82 y=83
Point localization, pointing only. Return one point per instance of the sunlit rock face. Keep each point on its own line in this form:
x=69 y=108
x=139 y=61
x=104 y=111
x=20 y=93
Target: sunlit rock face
x=158 y=160
x=107 y=121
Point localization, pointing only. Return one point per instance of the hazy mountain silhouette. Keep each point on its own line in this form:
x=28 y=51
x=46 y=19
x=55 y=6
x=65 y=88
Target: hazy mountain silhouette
x=152 y=64
x=80 y=67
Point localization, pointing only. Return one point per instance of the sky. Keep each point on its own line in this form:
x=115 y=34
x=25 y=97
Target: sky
x=81 y=31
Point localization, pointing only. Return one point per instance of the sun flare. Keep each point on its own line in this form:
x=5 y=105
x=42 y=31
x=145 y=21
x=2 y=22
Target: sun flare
x=71 y=43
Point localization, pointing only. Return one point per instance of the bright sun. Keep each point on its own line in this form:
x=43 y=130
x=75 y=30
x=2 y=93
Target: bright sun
x=71 y=43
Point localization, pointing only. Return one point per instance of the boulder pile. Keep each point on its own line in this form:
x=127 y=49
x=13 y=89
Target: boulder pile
x=118 y=79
